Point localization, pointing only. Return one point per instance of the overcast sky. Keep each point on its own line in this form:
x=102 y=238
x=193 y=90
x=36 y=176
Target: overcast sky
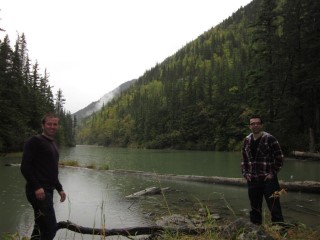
x=91 y=47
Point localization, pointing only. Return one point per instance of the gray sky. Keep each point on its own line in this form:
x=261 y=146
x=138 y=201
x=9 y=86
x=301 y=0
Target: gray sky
x=91 y=47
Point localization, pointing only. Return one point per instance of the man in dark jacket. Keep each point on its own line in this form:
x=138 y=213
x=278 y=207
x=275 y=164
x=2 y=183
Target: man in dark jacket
x=262 y=159
x=39 y=167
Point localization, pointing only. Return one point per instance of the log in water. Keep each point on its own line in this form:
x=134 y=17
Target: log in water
x=296 y=186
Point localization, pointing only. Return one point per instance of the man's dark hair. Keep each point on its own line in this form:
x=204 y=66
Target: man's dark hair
x=256 y=116
x=48 y=115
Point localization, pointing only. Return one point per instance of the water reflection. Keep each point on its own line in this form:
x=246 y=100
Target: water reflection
x=12 y=205
x=96 y=198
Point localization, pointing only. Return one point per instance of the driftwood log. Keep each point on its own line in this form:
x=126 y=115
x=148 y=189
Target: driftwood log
x=296 y=186
x=108 y=232
x=147 y=191
x=12 y=164
x=306 y=154
x=132 y=231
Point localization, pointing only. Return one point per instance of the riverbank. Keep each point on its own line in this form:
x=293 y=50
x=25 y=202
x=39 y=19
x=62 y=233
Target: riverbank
x=177 y=227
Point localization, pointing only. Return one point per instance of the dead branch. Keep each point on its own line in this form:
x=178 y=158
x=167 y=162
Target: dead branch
x=133 y=231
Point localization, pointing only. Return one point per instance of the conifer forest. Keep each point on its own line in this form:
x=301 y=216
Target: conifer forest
x=264 y=59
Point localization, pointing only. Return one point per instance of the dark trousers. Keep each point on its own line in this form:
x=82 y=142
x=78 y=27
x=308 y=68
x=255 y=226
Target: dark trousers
x=257 y=189
x=45 y=223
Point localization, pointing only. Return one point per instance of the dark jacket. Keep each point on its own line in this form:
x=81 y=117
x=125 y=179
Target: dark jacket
x=39 y=164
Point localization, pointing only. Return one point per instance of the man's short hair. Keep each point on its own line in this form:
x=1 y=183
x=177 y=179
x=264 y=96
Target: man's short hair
x=48 y=115
x=256 y=116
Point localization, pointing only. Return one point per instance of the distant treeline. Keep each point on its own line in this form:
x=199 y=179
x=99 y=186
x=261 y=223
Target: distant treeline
x=25 y=96
x=263 y=59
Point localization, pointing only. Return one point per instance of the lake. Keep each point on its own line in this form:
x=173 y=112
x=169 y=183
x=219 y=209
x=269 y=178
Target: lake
x=96 y=198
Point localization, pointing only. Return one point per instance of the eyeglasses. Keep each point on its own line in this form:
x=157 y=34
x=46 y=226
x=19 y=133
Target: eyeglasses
x=255 y=124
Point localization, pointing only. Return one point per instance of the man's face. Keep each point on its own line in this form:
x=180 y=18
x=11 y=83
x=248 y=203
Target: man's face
x=50 y=127
x=255 y=125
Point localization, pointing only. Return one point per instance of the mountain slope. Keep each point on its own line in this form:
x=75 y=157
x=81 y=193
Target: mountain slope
x=256 y=61
x=97 y=105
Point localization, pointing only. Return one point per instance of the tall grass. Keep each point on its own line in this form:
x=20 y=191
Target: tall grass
x=74 y=163
x=69 y=163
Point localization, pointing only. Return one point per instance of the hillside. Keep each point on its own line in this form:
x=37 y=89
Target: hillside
x=263 y=59
x=97 y=105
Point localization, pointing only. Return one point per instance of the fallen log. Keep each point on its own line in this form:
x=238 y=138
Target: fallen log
x=305 y=154
x=296 y=186
x=108 y=232
x=12 y=164
x=227 y=231
x=132 y=231
x=301 y=186
x=147 y=191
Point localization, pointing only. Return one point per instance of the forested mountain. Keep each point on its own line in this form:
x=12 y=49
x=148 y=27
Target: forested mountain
x=25 y=96
x=97 y=105
x=263 y=59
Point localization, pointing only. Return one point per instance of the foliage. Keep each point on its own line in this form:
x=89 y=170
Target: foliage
x=263 y=59
x=25 y=96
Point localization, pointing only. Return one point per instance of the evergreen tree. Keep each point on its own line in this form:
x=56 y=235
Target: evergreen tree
x=25 y=96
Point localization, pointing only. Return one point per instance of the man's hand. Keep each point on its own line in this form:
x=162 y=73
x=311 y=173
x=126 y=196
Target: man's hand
x=62 y=196
x=269 y=176
x=248 y=177
x=40 y=194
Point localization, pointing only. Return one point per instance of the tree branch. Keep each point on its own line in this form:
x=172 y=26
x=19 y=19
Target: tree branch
x=124 y=231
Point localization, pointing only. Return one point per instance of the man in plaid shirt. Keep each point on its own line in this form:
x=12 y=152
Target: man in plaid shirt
x=262 y=159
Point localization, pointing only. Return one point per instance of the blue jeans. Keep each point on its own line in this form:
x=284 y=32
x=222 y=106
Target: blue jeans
x=257 y=189
x=45 y=223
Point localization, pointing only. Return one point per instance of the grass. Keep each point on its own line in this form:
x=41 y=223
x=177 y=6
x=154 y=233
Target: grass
x=213 y=228
x=204 y=236
x=104 y=167
x=296 y=233
x=69 y=163
x=11 y=154
x=91 y=166
x=212 y=232
x=12 y=236
x=74 y=163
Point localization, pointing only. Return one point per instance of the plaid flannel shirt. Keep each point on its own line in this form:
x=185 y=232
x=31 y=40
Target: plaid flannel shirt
x=268 y=159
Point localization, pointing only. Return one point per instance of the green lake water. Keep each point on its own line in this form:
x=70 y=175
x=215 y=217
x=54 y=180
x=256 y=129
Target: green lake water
x=96 y=198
